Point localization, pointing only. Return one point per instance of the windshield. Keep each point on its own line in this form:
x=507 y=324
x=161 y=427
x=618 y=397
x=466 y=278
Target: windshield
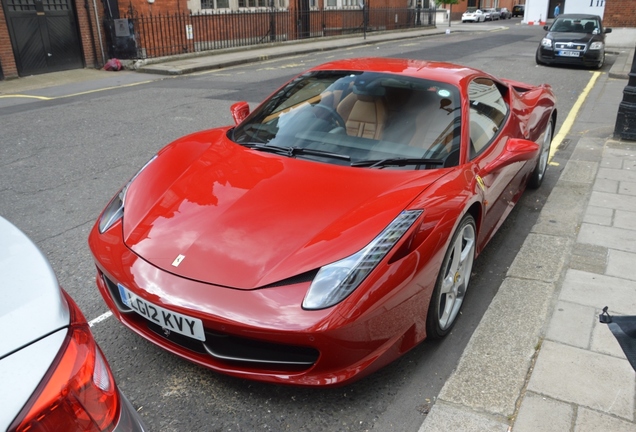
x=356 y=118
x=569 y=25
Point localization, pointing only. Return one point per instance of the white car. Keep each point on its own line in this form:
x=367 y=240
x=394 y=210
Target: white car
x=473 y=15
x=53 y=374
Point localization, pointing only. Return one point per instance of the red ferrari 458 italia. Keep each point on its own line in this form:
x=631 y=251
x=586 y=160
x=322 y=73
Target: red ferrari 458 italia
x=331 y=229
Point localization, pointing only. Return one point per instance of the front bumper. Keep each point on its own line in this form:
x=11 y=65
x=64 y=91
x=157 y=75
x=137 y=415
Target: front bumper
x=264 y=334
x=586 y=58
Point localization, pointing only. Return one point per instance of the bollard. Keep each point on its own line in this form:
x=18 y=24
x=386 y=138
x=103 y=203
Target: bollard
x=626 y=119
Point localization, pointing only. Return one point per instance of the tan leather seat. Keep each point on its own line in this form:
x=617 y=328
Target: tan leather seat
x=364 y=115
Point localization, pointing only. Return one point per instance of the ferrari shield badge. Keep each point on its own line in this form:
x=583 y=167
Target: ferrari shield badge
x=178 y=260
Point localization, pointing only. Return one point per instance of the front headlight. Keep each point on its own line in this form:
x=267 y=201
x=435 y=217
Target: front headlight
x=596 y=45
x=335 y=281
x=546 y=42
x=115 y=208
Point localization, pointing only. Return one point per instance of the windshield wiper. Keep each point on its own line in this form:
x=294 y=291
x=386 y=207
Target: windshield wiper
x=375 y=163
x=284 y=151
x=295 y=151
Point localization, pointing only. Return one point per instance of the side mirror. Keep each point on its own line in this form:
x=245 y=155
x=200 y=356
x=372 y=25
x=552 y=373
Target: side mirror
x=516 y=150
x=545 y=27
x=608 y=30
x=239 y=111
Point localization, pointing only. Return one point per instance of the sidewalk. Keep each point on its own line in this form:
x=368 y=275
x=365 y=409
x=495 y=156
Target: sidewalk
x=539 y=360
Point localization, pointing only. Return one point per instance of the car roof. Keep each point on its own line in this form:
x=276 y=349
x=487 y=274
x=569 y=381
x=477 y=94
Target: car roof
x=579 y=16
x=438 y=71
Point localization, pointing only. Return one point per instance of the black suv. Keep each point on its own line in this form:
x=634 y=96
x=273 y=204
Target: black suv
x=518 y=10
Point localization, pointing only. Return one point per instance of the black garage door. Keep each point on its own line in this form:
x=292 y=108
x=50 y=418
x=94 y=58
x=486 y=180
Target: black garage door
x=44 y=35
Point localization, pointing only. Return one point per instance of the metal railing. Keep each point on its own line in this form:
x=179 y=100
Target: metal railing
x=163 y=35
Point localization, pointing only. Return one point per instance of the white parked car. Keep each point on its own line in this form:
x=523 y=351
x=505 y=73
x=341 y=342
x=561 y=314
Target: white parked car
x=53 y=375
x=473 y=15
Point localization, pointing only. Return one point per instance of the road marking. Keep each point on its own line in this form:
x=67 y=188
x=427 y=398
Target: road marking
x=574 y=112
x=24 y=96
x=100 y=318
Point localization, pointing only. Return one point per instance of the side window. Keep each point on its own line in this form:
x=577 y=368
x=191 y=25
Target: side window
x=487 y=113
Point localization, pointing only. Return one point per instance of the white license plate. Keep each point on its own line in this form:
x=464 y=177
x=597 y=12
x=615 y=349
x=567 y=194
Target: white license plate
x=569 y=53
x=167 y=319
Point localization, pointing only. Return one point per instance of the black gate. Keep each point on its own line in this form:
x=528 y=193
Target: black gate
x=44 y=35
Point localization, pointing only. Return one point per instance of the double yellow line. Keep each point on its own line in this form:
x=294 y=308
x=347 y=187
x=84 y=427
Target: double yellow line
x=24 y=96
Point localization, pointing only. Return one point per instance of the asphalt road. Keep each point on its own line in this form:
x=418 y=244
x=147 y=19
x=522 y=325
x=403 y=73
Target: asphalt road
x=62 y=160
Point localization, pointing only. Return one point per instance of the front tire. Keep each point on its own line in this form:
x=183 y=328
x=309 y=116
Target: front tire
x=601 y=62
x=536 y=58
x=536 y=178
x=452 y=280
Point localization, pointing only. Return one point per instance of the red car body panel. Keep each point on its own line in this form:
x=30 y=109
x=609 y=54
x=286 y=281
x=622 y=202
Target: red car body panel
x=249 y=223
x=204 y=213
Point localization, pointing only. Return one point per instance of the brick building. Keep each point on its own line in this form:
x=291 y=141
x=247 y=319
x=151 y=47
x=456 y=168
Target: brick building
x=619 y=13
x=39 y=36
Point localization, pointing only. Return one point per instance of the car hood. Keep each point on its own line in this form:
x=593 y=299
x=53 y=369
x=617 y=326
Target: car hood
x=31 y=303
x=245 y=219
x=574 y=37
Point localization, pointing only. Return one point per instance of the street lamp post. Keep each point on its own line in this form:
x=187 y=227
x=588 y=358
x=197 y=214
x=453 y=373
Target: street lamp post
x=626 y=119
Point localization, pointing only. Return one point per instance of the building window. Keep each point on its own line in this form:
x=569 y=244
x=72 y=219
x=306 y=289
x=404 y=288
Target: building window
x=235 y=5
x=342 y=3
x=252 y=3
x=215 y=4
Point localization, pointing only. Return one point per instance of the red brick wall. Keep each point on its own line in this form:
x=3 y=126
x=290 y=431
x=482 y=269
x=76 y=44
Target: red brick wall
x=619 y=13
x=159 y=7
x=86 y=19
x=6 y=52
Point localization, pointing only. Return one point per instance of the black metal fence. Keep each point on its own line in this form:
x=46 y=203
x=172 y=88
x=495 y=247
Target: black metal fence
x=163 y=35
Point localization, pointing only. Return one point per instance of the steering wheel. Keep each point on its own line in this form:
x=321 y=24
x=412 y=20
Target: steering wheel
x=331 y=115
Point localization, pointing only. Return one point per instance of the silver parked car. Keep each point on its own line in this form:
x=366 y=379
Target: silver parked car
x=54 y=376
x=491 y=14
x=504 y=13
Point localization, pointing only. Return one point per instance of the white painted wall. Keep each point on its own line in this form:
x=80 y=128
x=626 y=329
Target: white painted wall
x=537 y=10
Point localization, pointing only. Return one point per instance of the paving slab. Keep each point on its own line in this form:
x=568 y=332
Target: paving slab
x=590 y=258
x=580 y=171
x=622 y=264
x=572 y=324
x=614 y=200
x=541 y=257
x=542 y=414
x=447 y=417
x=625 y=219
x=585 y=378
x=609 y=237
x=599 y=216
x=493 y=369
x=605 y=185
x=593 y=421
x=627 y=188
x=595 y=290
x=560 y=216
